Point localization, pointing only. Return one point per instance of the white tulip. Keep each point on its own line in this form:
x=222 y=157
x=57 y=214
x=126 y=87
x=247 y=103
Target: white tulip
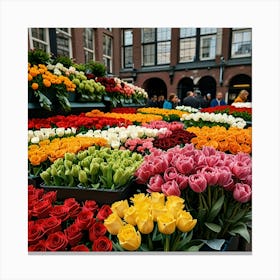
x=60 y=131
x=35 y=140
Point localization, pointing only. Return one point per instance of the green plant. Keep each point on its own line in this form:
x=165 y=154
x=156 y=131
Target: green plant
x=37 y=56
x=96 y=68
x=66 y=61
x=80 y=67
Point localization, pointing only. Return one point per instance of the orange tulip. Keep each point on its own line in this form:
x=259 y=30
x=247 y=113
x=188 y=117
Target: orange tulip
x=35 y=86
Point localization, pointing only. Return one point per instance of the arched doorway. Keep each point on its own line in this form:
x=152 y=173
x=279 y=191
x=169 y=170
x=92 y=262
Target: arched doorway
x=207 y=84
x=236 y=84
x=184 y=85
x=155 y=86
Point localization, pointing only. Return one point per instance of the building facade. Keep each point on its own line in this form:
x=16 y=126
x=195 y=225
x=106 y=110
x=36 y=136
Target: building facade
x=161 y=60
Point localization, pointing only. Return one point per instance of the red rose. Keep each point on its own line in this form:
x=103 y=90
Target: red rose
x=96 y=230
x=39 y=246
x=81 y=248
x=42 y=209
x=51 y=196
x=32 y=200
x=35 y=233
x=104 y=212
x=102 y=243
x=74 y=234
x=84 y=219
x=91 y=205
x=56 y=241
x=51 y=224
x=74 y=207
x=60 y=211
x=29 y=214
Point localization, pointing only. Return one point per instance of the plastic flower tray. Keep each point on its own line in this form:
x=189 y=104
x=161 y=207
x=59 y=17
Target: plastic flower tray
x=34 y=180
x=101 y=196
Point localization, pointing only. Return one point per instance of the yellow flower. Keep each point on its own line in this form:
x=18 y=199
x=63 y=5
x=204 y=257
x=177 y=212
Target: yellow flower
x=145 y=223
x=174 y=201
x=166 y=223
x=157 y=210
x=129 y=238
x=130 y=215
x=157 y=197
x=119 y=207
x=185 y=221
x=113 y=223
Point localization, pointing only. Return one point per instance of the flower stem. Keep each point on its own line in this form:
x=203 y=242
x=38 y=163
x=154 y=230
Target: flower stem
x=150 y=243
x=167 y=243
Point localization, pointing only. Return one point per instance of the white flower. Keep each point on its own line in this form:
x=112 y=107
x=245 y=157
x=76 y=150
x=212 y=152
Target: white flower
x=68 y=131
x=115 y=144
x=57 y=72
x=60 y=131
x=35 y=140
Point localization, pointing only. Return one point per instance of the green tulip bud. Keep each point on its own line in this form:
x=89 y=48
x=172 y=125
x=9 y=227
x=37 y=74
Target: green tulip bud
x=69 y=156
x=91 y=150
x=46 y=176
x=82 y=155
x=68 y=164
x=94 y=168
x=83 y=177
x=75 y=170
x=53 y=171
x=58 y=162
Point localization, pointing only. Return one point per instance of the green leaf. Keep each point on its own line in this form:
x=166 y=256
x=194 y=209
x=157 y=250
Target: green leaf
x=181 y=244
x=156 y=236
x=242 y=230
x=215 y=244
x=214 y=227
x=215 y=209
x=194 y=248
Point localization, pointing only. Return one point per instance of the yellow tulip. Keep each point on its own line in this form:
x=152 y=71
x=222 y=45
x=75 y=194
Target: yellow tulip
x=119 y=207
x=185 y=221
x=166 y=223
x=157 y=197
x=157 y=210
x=145 y=222
x=129 y=238
x=113 y=223
x=130 y=215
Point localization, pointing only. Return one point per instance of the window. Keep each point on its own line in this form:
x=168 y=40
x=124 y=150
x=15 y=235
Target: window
x=208 y=37
x=156 y=45
x=187 y=44
x=241 y=45
x=127 y=48
x=64 y=42
x=39 y=39
x=107 y=52
x=89 y=44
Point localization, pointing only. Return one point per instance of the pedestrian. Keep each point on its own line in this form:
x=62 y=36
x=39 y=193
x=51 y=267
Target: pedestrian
x=242 y=96
x=208 y=98
x=160 y=101
x=172 y=102
x=218 y=101
x=153 y=101
x=202 y=102
x=190 y=100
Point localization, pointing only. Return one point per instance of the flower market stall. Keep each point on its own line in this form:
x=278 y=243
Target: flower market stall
x=123 y=178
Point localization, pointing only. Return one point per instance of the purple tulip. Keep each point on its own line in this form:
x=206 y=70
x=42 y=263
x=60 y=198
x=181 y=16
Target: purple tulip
x=242 y=192
x=197 y=182
x=171 y=188
x=155 y=183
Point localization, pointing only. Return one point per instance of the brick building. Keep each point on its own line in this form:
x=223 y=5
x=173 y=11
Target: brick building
x=161 y=60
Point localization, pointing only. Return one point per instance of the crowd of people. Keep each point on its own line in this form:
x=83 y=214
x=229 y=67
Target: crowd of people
x=194 y=99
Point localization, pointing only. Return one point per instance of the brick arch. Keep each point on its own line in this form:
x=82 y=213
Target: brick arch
x=155 y=86
x=184 y=85
x=237 y=83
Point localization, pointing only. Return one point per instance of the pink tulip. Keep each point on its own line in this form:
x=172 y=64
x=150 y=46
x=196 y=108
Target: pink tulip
x=229 y=186
x=144 y=173
x=188 y=150
x=182 y=181
x=248 y=180
x=160 y=164
x=241 y=170
x=171 y=188
x=211 y=175
x=224 y=176
x=197 y=182
x=208 y=151
x=170 y=174
x=184 y=164
x=155 y=183
x=213 y=160
x=242 y=192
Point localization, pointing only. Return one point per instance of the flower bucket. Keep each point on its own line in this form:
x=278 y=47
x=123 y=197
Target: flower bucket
x=80 y=193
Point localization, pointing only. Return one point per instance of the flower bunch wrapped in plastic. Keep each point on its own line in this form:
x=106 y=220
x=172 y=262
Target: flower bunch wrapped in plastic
x=151 y=223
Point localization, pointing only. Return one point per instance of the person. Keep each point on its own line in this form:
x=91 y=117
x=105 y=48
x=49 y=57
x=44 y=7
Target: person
x=153 y=101
x=208 y=99
x=190 y=100
x=172 y=102
x=160 y=101
x=202 y=102
x=242 y=96
x=218 y=101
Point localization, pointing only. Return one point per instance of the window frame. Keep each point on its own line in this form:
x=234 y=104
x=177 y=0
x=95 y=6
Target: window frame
x=67 y=34
x=181 y=38
x=235 y=30
x=86 y=49
x=155 y=47
x=124 y=47
x=207 y=35
x=46 y=43
x=106 y=56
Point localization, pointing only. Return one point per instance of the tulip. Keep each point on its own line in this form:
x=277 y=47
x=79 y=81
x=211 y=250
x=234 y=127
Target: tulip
x=129 y=238
x=145 y=222
x=185 y=221
x=157 y=197
x=155 y=183
x=113 y=223
x=157 y=210
x=170 y=174
x=182 y=181
x=171 y=188
x=211 y=175
x=166 y=223
x=242 y=192
x=241 y=170
x=197 y=182
x=119 y=207
x=83 y=177
x=130 y=215
x=184 y=164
